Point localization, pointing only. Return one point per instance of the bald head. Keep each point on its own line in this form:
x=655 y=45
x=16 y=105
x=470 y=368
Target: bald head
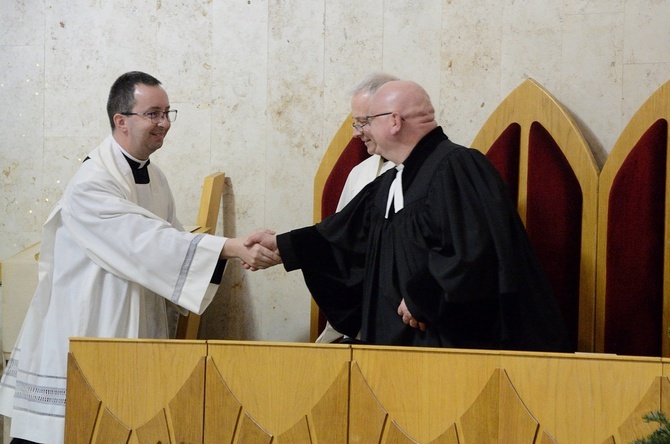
x=410 y=117
x=409 y=98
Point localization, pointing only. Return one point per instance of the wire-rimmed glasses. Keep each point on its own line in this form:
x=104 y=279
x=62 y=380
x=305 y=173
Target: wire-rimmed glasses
x=156 y=116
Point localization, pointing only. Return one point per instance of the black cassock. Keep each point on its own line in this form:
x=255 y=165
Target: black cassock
x=457 y=253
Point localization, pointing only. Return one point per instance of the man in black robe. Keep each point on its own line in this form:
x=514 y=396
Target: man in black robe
x=432 y=253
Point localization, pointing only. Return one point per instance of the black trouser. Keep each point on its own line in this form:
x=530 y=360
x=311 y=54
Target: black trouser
x=21 y=441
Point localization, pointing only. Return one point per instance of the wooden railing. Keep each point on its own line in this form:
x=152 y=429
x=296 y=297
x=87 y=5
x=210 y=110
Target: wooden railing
x=253 y=392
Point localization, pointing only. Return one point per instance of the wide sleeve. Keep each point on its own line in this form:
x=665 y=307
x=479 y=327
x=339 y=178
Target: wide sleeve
x=135 y=244
x=331 y=256
x=469 y=224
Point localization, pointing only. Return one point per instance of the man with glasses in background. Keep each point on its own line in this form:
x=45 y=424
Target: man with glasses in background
x=433 y=253
x=113 y=254
x=366 y=171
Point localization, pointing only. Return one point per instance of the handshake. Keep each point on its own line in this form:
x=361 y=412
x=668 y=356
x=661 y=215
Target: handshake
x=257 y=251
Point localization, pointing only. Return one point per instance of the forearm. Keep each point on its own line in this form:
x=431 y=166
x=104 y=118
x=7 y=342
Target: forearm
x=231 y=248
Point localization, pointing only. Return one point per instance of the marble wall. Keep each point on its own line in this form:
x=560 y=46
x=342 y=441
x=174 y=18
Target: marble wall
x=261 y=87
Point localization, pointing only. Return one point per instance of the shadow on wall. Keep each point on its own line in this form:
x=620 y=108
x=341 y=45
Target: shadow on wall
x=230 y=315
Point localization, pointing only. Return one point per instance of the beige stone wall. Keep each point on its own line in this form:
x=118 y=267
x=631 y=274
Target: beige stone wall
x=261 y=87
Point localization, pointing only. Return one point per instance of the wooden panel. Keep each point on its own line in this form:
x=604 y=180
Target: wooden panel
x=222 y=410
x=154 y=431
x=367 y=416
x=252 y=432
x=111 y=431
x=424 y=390
x=580 y=398
x=280 y=384
x=498 y=415
x=481 y=421
x=137 y=379
x=332 y=405
x=187 y=407
x=573 y=398
x=450 y=436
x=84 y=412
x=546 y=438
x=298 y=433
x=261 y=392
x=395 y=435
x=210 y=203
x=634 y=426
x=665 y=388
x=517 y=424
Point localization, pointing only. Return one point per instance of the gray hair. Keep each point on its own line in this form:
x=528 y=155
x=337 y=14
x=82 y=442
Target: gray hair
x=372 y=82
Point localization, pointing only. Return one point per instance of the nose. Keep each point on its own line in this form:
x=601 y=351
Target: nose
x=163 y=121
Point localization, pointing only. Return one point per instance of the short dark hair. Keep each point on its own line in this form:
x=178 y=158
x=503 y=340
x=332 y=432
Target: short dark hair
x=122 y=94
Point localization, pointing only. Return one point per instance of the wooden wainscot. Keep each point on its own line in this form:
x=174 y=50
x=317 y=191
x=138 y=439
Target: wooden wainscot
x=131 y=391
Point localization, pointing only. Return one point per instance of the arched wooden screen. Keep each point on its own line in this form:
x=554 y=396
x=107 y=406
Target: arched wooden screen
x=342 y=155
x=551 y=173
x=633 y=289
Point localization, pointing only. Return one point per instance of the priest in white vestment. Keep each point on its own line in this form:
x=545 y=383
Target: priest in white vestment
x=112 y=254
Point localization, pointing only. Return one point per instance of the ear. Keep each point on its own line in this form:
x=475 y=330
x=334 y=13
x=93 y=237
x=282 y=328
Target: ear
x=120 y=122
x=396 y=123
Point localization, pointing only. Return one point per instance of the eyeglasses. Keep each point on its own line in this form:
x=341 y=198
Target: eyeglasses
x=368 y=118
x=359 y=125
x=156 y=116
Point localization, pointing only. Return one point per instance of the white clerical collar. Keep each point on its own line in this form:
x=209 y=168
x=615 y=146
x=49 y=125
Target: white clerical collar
x=396 y=196
x=125 y=153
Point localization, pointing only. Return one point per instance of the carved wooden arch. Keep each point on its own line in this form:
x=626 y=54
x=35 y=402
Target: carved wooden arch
x=633 y=288
x=548 y=165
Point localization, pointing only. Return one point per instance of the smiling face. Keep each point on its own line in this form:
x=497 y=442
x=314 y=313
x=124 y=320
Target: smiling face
x=137 y=134
x=378 y=132
x=384 y=125
x=359 y=109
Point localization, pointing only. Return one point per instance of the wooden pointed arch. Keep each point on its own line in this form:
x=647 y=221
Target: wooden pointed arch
x=633 y=287
x=542 y=155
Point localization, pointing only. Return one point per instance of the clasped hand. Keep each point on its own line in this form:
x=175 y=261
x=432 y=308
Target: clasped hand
x=255 y=251
x=264 y=242
x=407 y=317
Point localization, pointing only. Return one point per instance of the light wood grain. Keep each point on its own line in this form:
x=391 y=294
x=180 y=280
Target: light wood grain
x=136 y=379
x=264 y=378
x=275 y=392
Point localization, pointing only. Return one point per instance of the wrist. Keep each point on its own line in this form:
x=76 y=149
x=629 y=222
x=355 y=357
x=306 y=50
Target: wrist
x=231 y=248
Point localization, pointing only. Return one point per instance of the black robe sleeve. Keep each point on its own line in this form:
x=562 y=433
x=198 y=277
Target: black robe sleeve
x=333 y=267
